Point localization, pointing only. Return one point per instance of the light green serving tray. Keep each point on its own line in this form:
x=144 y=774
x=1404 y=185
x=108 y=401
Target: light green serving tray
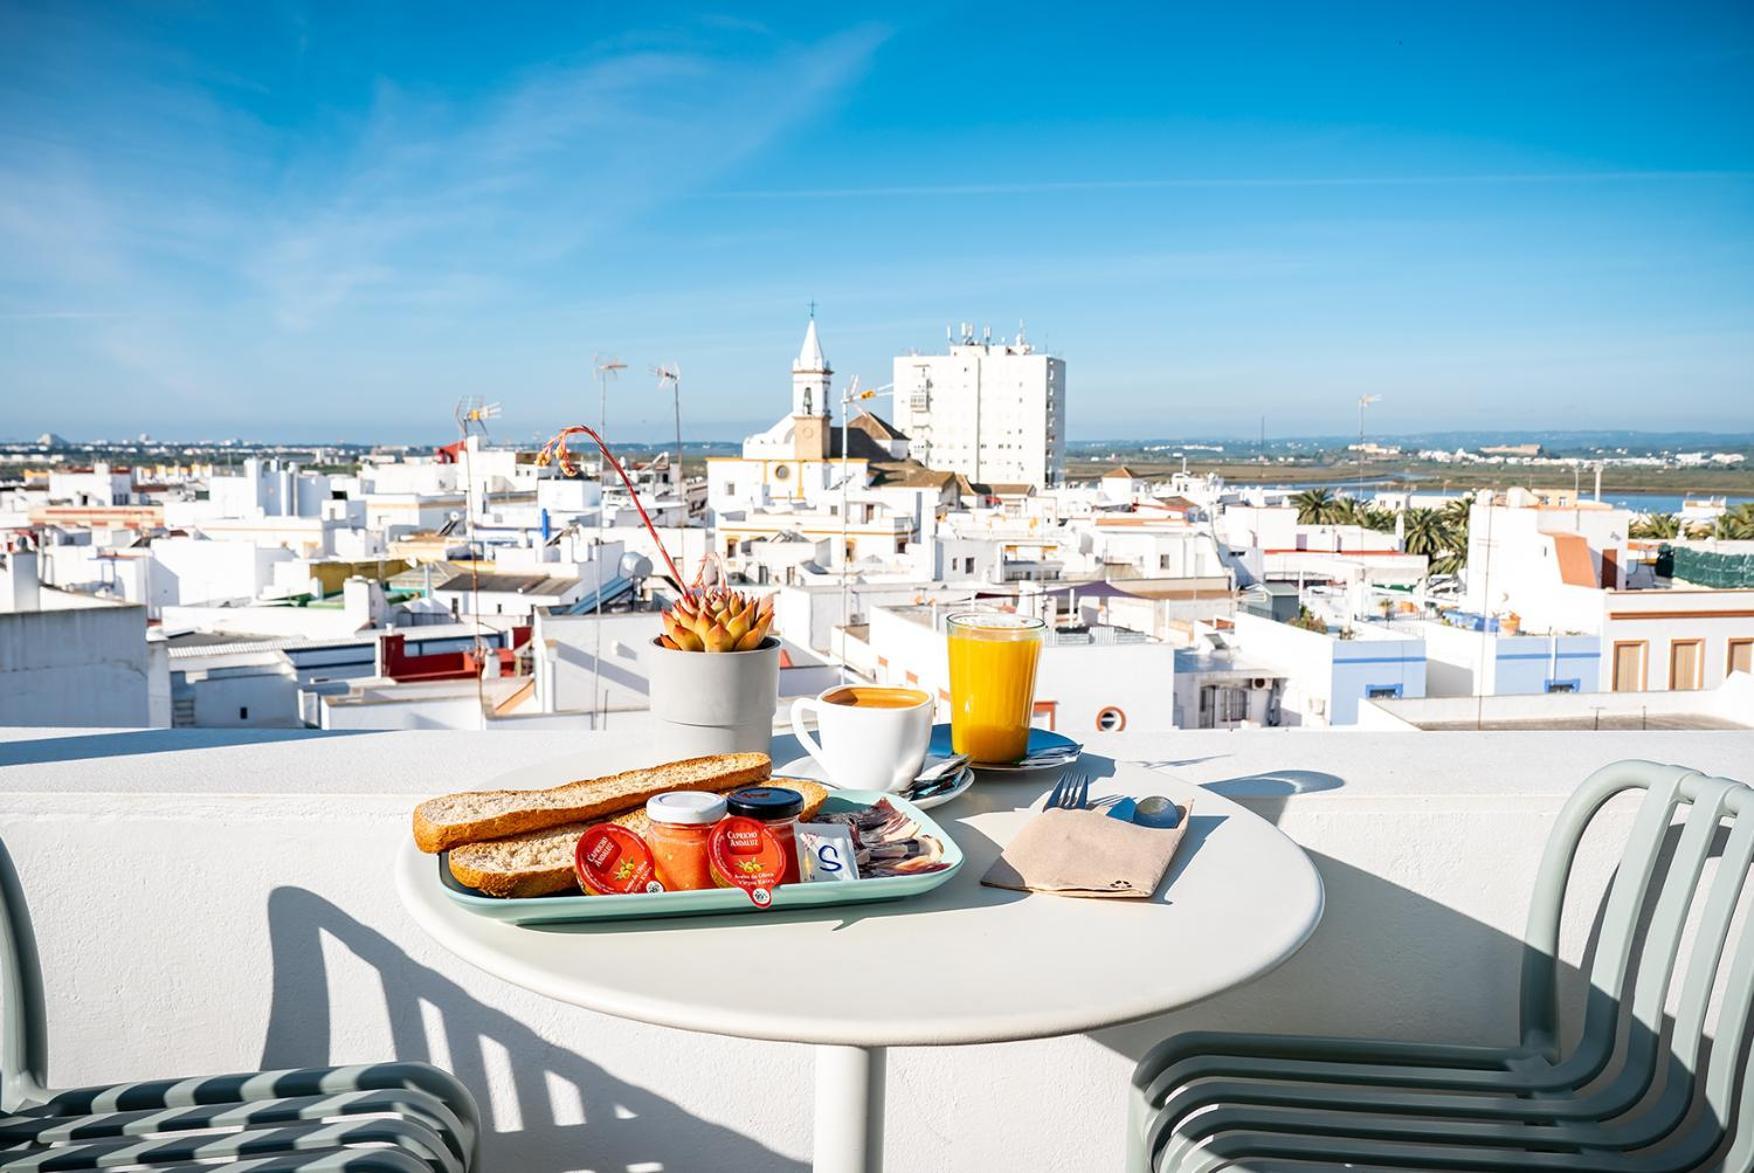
x=576 y=907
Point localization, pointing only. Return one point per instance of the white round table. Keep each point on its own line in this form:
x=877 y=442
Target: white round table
x=990 y=965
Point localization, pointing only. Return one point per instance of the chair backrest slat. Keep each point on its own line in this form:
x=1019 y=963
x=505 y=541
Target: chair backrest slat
x=1626 y=897
x=1710 y=799
x=1727 y=1045
x=24 y=1044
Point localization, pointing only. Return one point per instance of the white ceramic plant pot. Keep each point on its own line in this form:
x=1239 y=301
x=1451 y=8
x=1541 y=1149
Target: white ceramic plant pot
x=715 y=702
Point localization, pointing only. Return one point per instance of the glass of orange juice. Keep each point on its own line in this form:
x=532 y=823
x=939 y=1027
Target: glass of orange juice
x=992 y=683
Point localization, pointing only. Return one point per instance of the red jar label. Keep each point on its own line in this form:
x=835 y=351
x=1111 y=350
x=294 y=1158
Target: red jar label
x=613 y=861
x=743 y=853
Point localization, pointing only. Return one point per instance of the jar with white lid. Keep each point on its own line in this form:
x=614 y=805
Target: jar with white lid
x=681 y=824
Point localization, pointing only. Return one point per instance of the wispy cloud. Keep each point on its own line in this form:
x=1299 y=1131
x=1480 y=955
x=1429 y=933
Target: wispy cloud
x=566 y=155
x=1049 y=187
x=133 y=190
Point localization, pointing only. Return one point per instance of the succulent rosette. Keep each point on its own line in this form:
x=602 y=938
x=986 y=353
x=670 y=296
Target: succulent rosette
x=717 y=620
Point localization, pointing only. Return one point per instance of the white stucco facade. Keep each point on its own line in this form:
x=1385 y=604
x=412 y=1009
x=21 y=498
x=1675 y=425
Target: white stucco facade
x=80 y=665
x=1076 y=683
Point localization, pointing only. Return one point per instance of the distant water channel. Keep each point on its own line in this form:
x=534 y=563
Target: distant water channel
x=1638 y=502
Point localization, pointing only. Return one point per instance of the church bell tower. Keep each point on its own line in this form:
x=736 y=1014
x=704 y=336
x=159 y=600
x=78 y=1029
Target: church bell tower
x=810 y=388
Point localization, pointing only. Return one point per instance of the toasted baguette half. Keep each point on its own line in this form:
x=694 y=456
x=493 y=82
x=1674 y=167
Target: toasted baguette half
x=540 y=863
x=473 y=815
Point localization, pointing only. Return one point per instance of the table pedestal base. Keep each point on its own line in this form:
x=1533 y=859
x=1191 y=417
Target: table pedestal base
x=849 y=1110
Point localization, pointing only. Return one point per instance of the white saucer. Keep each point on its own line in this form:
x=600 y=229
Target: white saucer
x=808 y=767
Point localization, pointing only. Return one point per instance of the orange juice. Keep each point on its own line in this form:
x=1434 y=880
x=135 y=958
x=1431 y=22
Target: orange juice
x=992 y=683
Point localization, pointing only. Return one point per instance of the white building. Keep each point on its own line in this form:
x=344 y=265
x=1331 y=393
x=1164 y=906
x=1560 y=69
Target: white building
x=74 y=659
x=1327 y=675
x=1541 y=567
x=994 y=412
x=1103 y=679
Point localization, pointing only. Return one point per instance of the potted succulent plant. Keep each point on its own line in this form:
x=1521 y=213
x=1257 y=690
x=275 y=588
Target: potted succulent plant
x=715 y=672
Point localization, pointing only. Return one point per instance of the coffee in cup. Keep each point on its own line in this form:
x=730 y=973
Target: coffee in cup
x=868 y=737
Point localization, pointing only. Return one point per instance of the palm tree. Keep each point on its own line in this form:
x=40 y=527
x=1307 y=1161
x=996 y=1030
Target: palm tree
x=1456 y=512
x=1345 y=511
x=1381 y=520
x=1454 y=519
x=1314 y=506
x=1737 y=525
x=1449 y=562
x=1657 y=526
x=1425 y=533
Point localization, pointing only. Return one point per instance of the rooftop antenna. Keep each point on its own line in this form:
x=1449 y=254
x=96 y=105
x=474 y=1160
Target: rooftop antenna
x=1364 y=401
x=671 y=373
x=607 y=367
x=472 y=413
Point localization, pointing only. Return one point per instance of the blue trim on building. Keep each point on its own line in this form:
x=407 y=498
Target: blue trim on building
x=1595 y=655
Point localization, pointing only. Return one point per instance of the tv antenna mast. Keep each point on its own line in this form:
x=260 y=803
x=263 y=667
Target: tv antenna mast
x=607 y=367
x=671 y=373
x=472 y=413
x=1364 y=401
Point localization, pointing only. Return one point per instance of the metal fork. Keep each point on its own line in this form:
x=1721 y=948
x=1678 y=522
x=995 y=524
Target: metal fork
x=1071 y=792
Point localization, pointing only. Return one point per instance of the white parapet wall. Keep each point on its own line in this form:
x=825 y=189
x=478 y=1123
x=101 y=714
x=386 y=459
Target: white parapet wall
x=87 y=665
x=209 y=900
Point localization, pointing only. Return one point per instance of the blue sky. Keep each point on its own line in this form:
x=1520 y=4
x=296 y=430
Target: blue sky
x=328 y=222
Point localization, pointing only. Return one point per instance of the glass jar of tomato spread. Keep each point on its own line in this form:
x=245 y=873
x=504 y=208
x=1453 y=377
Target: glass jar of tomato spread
x=777 y=809
x=681 y=823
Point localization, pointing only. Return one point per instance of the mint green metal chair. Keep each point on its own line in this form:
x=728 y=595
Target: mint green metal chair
x=1636 y=1093
x=370 y=1118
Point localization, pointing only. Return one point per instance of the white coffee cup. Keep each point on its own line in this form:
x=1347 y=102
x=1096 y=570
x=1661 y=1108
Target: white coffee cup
x=872 y=738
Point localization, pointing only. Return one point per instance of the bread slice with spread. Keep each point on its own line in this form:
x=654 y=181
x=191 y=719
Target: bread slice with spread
x=471 y=816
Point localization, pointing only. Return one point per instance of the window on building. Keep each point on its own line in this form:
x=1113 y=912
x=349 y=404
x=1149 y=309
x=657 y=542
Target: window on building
x=244 y=713
x=1686 y=664
x=1629 y=666
x=1564 y=686
x=1382 y=692
x=1110 y=719
x=1741 y=657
